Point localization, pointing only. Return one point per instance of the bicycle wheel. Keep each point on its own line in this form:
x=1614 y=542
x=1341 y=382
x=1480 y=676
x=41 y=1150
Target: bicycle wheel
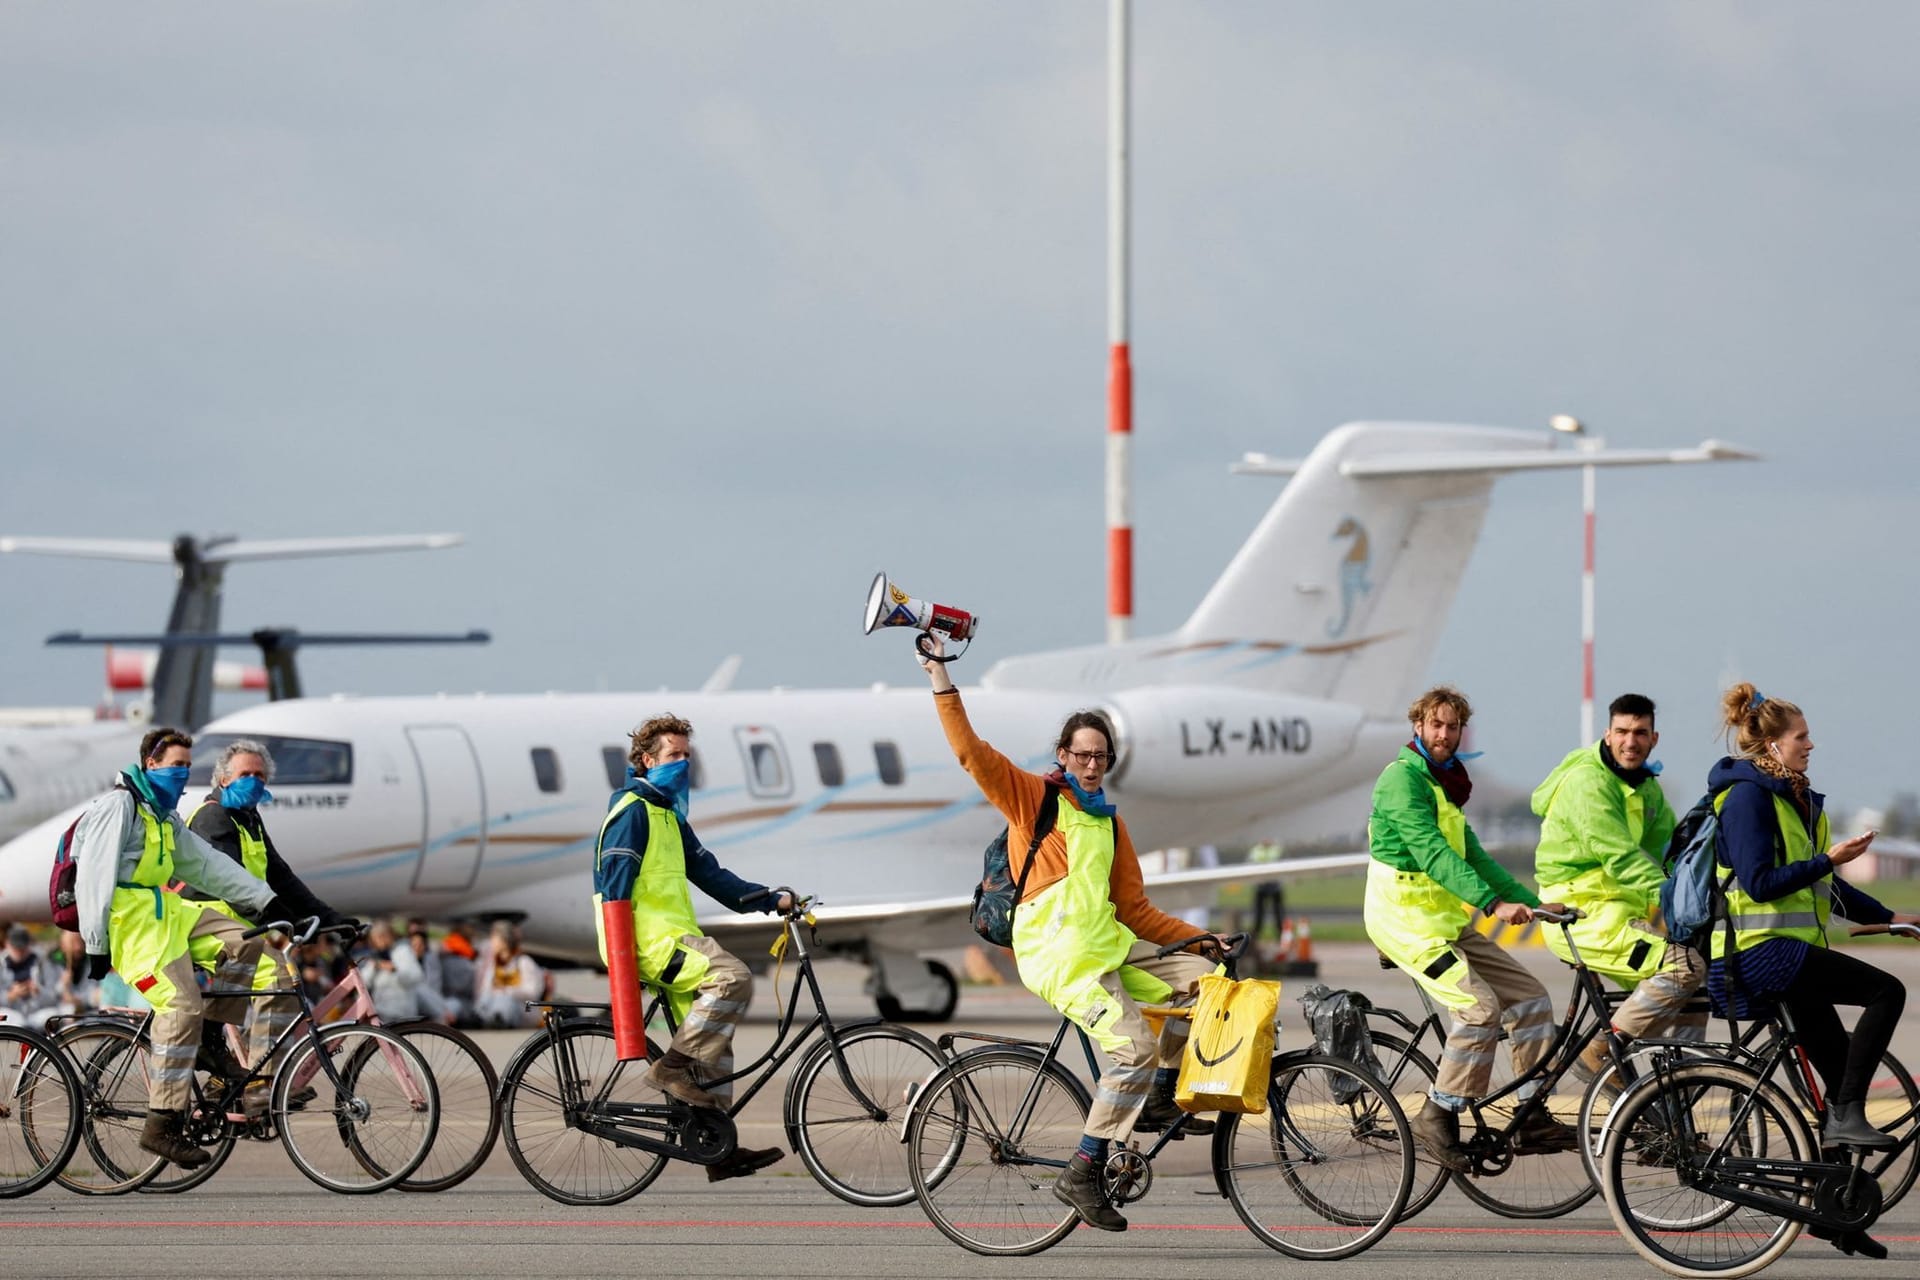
x=40 y=1111
x=1332 y=1141
x=986 y=1138
x=375 y=1113
x=1893 y=1105
x=207 y=1128
x=1409 y=1074
x=1669 y=1133
x=850 y=1152
x=469 y=1122
x=1602 y=1098
x=1546 y=1185
x=544 y=1093
x=110 y=1059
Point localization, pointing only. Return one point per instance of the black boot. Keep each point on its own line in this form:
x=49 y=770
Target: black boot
x=742 y=1162
x=1847 y=1126
x=1437 y=1131
x=1161 y=1111
x=1851 y=1242
x=215 y=1058
x=1540 y=1134
x=1079 y=1186
x=164 y=1137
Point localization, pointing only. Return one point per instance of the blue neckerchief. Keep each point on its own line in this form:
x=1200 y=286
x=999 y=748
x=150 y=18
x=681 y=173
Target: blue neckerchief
x=1094 y=802
x=671 y=781
x=245 y=793
x=168 y=786
x=1654 y=767
x=1455 y=758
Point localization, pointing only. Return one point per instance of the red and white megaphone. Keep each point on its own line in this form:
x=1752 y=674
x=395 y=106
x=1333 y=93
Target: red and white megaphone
x=889 y=606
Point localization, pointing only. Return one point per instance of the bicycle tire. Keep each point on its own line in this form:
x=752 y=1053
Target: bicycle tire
x=1546 y=1185
x=537 y=1116
x=171 y=1179
x=1653 y=1194
x=1410 y=1075
x=1602 y=1098
x=989 y=1190
x=469 y=1120
x=851 y=1153
x=41 y=1111
x=373 y=1117
x=1341 y=1147
x=110 y=1058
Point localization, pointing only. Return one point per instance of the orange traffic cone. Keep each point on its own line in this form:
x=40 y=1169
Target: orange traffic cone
x=1283 y=952
x=1303 y=941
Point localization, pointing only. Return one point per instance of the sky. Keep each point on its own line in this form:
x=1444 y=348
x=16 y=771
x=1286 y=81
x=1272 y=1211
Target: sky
x=691 y=317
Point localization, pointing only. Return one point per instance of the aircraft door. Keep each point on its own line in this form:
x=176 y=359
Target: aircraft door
x=453 y=803
x=769 y=776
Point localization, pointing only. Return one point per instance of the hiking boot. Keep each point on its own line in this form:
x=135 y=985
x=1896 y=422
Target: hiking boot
x=678 y=1083
x=1161 y=1111
x=1847 y=1126
x=165 y=1137
x=1850 y=1242
x=1540 y=1134
x=1078 y=1186
x=743 y=1162
x=1437 y=1131
x=1592 y=1060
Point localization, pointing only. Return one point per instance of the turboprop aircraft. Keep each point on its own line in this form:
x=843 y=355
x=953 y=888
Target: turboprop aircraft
x=47 y=769
x=1287 y=685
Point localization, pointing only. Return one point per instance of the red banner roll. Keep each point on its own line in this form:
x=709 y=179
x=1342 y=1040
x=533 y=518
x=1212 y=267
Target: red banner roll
x=623 y=982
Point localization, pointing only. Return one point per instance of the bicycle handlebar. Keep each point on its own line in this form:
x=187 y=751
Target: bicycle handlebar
x=1559 y=917
x=1236 y=944
x=797 y=903
x=307 y=929
x=1897 y=930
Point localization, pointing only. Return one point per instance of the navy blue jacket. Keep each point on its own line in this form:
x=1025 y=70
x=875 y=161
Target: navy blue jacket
x=1749 y=842
x=626 y=835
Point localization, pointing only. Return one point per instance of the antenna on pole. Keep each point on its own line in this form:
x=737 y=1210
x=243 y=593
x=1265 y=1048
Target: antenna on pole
x=1120 y=366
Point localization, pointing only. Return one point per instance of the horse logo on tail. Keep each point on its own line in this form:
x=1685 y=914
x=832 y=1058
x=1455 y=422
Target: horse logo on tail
x=1354 y=582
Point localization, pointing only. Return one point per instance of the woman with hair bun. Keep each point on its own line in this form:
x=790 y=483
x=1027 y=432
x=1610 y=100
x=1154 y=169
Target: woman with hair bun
x=1774 y=837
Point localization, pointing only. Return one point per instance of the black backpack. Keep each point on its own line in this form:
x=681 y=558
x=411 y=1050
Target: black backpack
x=998 y=893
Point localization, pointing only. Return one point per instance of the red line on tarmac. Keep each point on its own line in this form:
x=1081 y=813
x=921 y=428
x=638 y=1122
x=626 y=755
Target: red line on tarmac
x=123 y=1224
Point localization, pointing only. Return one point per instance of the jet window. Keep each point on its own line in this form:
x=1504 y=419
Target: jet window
x=616 y=762
x=768 y=774
x=826 y=757
x=296 y=761
x=546 y=768
x=886 y=756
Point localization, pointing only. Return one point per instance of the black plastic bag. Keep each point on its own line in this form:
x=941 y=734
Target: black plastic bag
x=1339 y=1022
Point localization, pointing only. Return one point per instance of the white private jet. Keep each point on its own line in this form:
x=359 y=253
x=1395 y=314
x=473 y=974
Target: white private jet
x=1287 y=687
x=51 y=760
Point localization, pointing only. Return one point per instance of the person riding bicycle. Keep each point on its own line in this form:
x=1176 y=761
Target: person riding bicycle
x=1085 y=934
x=1428 y=875
x=128 y=847
x=1774 y=838
x=646 y=853
x=229 y=819
x=1604 y=828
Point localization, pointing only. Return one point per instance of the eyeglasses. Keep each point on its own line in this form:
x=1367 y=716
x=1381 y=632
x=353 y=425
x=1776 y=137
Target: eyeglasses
x=1086 y=758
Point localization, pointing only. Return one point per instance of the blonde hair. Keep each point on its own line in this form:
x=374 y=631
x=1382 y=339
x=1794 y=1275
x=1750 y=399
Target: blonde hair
x=1752 y=721
x=1441 y=695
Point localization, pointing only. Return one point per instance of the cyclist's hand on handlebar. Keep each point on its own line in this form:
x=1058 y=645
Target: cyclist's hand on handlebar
x=784 y=903
x=1512 y=913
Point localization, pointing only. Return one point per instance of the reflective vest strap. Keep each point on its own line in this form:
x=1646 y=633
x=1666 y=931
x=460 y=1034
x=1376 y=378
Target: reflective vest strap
x=1776 y=920
x=620 y=806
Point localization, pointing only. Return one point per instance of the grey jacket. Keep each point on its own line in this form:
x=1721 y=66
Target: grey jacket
x=107 y=847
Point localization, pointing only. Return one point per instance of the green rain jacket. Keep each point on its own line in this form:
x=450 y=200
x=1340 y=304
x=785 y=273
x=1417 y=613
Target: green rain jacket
x=1592 y=820
x=1404 y=833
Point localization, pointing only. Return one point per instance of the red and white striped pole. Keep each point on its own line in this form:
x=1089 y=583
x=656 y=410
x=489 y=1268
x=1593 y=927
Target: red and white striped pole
x=1119 y=365
x=1572 y=426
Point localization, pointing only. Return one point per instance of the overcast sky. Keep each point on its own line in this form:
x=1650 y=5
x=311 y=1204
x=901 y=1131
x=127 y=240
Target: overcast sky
x=691 y=316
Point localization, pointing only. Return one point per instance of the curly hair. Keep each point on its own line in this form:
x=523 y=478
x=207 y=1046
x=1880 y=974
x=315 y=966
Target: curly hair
x=646 y=739
x=1441 y=695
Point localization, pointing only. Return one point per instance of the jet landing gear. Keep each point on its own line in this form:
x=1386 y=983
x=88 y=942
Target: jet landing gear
x=906 y=988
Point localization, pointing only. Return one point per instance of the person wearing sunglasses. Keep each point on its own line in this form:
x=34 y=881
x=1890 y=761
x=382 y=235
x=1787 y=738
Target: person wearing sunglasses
x=1085 y=934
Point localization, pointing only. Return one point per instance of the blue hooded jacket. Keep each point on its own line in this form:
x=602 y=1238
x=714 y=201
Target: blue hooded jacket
x=615 y=877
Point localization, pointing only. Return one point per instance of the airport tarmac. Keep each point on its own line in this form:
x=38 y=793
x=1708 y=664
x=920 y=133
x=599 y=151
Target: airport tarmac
x=259 y=1215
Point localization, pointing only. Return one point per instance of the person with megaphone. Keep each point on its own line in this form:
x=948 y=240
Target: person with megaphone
x=1085 y=934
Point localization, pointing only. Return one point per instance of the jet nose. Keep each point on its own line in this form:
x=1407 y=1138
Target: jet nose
x=26 y=862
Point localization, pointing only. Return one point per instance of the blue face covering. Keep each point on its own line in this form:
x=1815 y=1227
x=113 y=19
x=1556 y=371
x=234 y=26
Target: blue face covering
x=671 y=780
x=244 y=793
x=1093 y=802
x=168 y=785
x=1421 y=744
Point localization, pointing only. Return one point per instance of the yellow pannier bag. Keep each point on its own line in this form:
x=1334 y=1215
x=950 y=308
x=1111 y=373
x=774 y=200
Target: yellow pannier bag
x=1229 y=1055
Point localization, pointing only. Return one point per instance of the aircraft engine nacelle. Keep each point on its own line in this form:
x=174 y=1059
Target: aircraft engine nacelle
x=1201 y=742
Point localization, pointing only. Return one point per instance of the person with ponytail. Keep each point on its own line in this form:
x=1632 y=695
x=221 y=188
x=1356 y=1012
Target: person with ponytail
x=1774 y=838
x=1085 y=935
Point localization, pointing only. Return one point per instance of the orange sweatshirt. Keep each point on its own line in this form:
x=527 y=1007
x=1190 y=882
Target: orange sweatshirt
x=1017 y=795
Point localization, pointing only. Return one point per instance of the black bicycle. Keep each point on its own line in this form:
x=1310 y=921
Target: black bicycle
x=1710 y=1168
x=40 y=1111
x=988 y=1134
x=588 y=1129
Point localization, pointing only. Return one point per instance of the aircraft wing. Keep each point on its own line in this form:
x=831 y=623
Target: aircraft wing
x=932 y=924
